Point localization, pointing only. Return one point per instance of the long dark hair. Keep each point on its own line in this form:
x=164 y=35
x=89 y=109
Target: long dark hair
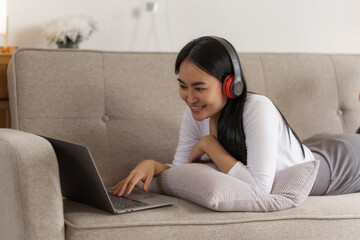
x=211 y=57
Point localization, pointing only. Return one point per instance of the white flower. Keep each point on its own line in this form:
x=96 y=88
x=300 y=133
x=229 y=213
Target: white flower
x=69 y=28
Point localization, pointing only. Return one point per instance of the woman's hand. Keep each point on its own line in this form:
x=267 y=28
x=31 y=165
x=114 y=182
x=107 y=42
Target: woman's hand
x=200 y=149
x=144 y=171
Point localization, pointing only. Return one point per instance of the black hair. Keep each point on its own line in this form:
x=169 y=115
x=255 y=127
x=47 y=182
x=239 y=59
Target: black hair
x=211 y=57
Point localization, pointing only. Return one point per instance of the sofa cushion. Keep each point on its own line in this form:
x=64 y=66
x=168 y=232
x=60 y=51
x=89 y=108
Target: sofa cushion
x=213 y=189
x=186 y=220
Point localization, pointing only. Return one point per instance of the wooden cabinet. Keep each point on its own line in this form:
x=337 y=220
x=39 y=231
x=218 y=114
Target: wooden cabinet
x=4 y=97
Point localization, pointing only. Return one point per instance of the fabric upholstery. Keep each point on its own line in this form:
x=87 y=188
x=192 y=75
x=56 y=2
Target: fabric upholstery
x=315 y=92
x=326 y=217
x=125 y=108
x=31 y=202
x=94 y=107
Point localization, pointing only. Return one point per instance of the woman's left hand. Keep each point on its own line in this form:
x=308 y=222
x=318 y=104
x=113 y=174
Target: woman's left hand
x=200 y=149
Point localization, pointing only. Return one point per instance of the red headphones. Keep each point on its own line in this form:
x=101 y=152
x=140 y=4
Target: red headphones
x=232 y=85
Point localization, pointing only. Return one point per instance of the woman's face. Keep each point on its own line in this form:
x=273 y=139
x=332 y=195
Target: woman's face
x=200 y=91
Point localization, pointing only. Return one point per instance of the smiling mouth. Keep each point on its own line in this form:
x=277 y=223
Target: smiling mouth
x=196 y=109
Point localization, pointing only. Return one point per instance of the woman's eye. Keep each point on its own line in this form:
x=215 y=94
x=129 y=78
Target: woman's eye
x=182 y=86
x=199 y=89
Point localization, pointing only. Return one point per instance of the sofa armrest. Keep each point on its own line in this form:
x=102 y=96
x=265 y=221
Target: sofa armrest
x=30 y=195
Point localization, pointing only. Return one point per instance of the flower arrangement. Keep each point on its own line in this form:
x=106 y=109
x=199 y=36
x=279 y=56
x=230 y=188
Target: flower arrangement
x=69 y=31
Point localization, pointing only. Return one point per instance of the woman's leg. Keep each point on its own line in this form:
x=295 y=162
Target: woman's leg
x=323 y=177
x=342 y=153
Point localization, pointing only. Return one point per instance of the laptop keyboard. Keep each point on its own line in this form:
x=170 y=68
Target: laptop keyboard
x=123 y=202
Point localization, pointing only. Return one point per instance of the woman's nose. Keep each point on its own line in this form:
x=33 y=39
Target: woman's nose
x=192 y=98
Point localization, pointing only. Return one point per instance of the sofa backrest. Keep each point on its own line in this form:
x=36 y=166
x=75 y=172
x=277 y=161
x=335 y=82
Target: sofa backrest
x=125 y=106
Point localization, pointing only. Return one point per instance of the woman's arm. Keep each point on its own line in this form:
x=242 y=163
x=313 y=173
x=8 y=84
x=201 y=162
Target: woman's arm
x=225 y=162
x=262 y=123
x=210 y=145
x=190 y=133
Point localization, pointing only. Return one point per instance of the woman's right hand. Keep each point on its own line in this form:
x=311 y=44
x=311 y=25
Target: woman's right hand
x=144 y=171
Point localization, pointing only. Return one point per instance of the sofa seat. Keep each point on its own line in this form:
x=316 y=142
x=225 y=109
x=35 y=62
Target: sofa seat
x=186 y=220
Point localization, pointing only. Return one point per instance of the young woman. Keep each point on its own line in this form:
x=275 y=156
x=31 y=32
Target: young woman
x=244 y=136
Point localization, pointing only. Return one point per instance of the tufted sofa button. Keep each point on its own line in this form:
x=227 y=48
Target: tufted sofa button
x=340 y=112
x=105 y=118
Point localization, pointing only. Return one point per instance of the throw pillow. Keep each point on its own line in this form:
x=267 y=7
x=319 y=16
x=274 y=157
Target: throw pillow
x=210 y=188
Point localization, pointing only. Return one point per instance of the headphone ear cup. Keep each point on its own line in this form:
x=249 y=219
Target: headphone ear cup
x=227 y=85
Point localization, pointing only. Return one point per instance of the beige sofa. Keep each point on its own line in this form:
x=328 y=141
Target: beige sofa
x=125 y=108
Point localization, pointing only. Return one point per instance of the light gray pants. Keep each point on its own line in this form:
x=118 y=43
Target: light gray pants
x=339 y=155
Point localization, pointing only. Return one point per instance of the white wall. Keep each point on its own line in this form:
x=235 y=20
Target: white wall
x=331 y=26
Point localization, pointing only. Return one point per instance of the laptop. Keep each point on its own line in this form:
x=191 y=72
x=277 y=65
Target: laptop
x=81 y=182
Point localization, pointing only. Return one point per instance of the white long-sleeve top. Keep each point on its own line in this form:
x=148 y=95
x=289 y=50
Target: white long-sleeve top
x=269 y=148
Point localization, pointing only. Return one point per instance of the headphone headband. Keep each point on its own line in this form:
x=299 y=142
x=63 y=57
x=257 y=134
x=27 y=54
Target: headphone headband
x=237 y=85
